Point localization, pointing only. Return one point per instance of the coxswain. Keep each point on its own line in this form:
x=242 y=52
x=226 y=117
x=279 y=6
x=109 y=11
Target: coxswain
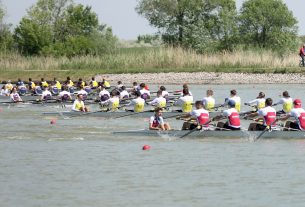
x=9 y=86
x=157 y=122
x=124 y=93
x=209 y=101
x=138 y=103
x=235 y=98
x=159 y=101
x=93 y=83
x=268 y=114
x=83 y=92
x=232 y=116
x=65 y=95
x=43 y=83
x=201 y=116
x=259 y=102
x=79 y=105
x=145 y=94
x=46 y=94
x=287 y=103
x=298 y=113
x=186 y=101
x=114 y=102
x=15 y=96
x=104 y=95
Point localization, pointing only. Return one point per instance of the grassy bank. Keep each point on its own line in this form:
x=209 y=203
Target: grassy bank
x=149 y=60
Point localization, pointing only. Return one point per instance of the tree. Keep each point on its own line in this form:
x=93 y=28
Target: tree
x=6 y=39
x=268 y=24
x=191 y=23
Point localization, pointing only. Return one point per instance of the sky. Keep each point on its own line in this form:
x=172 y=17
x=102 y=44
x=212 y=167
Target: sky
x=122 y=17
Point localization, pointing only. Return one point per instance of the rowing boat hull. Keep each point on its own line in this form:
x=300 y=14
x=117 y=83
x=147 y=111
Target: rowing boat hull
x=117 y=114
x=215 y=134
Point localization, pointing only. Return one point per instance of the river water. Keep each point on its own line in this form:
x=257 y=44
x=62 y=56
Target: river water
x=78 y=162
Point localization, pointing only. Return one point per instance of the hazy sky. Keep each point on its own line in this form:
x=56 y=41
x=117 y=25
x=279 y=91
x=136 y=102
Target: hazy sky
x=121 y=16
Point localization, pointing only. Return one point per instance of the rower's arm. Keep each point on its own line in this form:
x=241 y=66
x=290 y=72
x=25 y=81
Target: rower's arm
x=217 y=118
x=284 y=118
x=252 y=115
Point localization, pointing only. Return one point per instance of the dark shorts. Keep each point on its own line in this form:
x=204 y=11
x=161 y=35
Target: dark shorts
x=260 y=127
x=226 y=126
x=294 y=125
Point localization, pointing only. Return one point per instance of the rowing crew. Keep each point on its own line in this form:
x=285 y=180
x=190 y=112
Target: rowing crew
x=233 y=123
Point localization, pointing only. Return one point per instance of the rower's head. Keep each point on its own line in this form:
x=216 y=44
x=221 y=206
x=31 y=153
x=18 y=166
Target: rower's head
x=30 y=79
x=119 y=82
x=269 y=102
x=80 y=97
x=45 y=88
x=93 y=78
x=286 y=94
x=19 y=79
x=134 y=83
x=159 y=93
x=199 y=105
x=55 y=79
x=123 y=88
x=233 y=92
x=64 y=88
x=231 y=104
x=162 y=88
x=80 y=79
x=297 y=103
x=14 y=90
x=210 y=92
x=185 y=92
x=42 y=79
x=185 y=86
x=114 y=93
x=261 y=95
x=68 y=78
x=142 y=85
x=158 y=111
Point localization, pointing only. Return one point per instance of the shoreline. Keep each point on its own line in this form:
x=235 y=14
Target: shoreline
x=210 y=78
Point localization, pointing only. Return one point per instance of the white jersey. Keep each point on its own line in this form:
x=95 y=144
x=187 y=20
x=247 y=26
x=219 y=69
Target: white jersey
x=208 y=102
x=182 y=100
x=4 y=92
x=298 y=114
x=83 y=92
x=233 y=117
x=46 y=94
x=124 y=95
x=158 y=101
x=259 y=103
x=165 y=93
x=15 y=97
x=154 y=119
x=137 y=101
x=104 y=95
x=268 y=113
x=65 y=94
x=237 y=101
x=143 y=91
x=287 y=104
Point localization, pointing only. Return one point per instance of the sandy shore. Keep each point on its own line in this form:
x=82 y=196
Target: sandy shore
x=205 y=78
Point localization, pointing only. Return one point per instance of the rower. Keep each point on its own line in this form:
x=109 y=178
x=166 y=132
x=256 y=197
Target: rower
x=259 y=102
x=165 y=94
x=209 y=101
x=268 y=114
x=124 y=93
x=287 y=103
x=9 y=86
x=65 y=95
x=54 y=88
x=22 y=90
x=119 y=86
x=80 y=83
x=69 y=82
x=31 y=85
x=135 y=87
x=83 y=92
x=138 y=103
x=57 y=84
x=186 y=101
x=114 y=102
x=145 y=94
x=4 y=91
x=15 y=96
x=201 y=115
x=157 y=122
x=88 y=89
x=298 y=113
x=185 y=86
x=235 y=98
x=159 y=102
x=93 y=83
x=38 y=90
x=106 y=84
x=46 y=94
x=43 y=83
x=19 y=83
x=104 y=95
x=79 y=105
x=232 y=115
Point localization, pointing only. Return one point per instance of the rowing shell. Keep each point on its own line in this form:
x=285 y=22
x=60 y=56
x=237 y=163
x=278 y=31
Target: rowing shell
x=118 y=114
x=215 y=134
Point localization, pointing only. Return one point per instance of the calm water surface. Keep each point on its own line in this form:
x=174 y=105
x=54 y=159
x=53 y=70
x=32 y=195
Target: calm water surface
x=78 y=162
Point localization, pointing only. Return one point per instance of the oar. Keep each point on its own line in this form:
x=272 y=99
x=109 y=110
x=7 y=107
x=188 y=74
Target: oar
x=133 y=113
x=87 y=113
x=193 y=130
x=177 y=91
x=265 y=130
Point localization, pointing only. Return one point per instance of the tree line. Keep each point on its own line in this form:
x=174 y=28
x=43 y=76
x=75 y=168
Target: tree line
x=63 y=28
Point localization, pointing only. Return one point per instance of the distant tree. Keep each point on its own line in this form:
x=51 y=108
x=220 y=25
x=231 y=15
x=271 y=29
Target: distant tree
x=192 y=23
x=6 y=39
x=268 y=24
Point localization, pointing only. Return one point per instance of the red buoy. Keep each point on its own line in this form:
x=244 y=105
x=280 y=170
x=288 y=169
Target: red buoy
x=53 y=121
x=146 y=147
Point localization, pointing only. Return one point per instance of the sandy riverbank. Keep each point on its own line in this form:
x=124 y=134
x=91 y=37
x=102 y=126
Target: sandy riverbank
x=206 y=78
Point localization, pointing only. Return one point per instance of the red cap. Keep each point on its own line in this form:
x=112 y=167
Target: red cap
x=297 y=102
